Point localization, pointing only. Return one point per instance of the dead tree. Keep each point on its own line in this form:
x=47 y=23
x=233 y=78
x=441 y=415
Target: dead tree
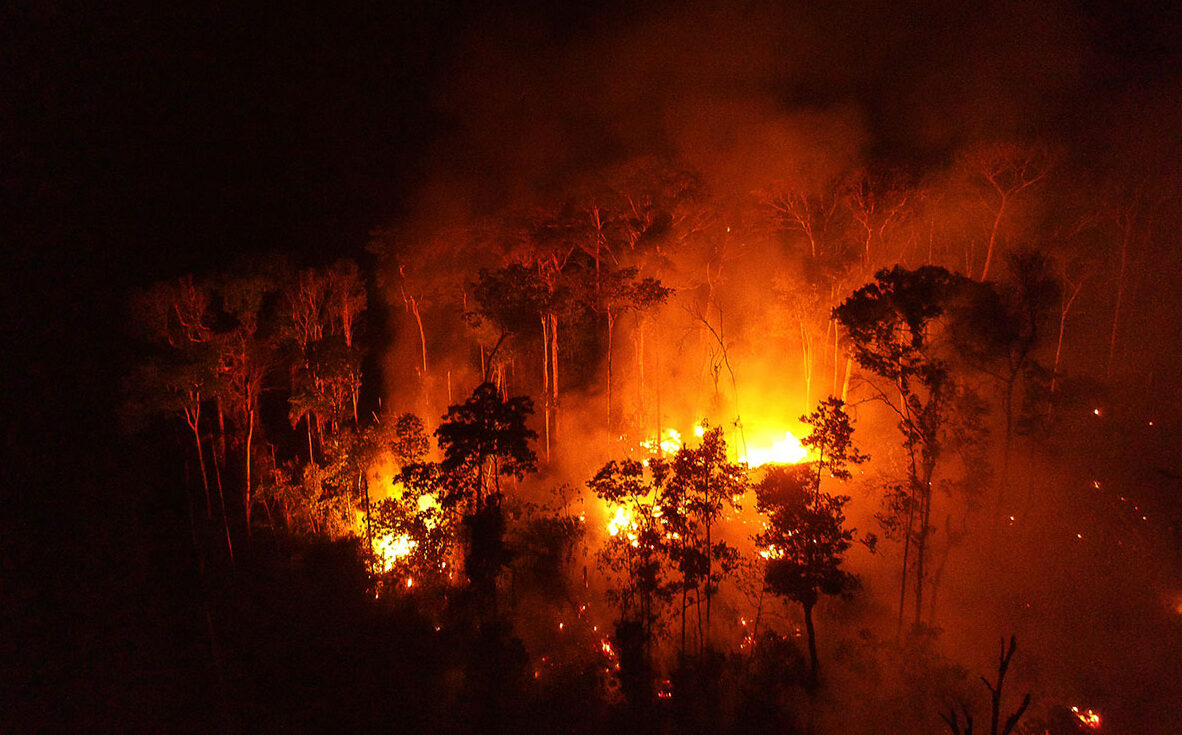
x=953 y=719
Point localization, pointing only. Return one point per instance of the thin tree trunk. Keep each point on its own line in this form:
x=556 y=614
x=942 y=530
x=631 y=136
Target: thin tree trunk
x=249 y=437
x=191 y=417
x=993 y=237
x=546 y=380
x=217 y=474
x=814 y=665
x=610 y=324
x=806 y=353
x=845 y=383
x=554 y=372
x=1120 y=292
x=836 y=358
x=921 y=544
x=368 y=528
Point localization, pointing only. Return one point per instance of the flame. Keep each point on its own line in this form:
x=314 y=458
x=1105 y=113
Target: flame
x=1089 y=718
x=390 y=548
x=669 y=445
x=788 y=450
x=621 y=521
x=771 y=552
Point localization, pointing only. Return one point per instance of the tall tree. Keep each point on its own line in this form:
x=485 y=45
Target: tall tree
x=895 y=332
x=620 y=291
x=806 y=539
x=483 y=439
x=248 y=353
x=703 y=483
x=1005 y=170
x=635 y=553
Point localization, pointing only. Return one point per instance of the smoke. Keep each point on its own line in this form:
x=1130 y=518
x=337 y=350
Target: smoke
x=536 y=110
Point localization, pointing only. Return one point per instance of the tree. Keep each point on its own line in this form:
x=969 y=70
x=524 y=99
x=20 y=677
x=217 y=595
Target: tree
x=996 y=726
x=809 y=212
x=805 y=540
x=620 y=292
x=177 y=316
x=1006 y=169
x=1001 y=328
x=895 y=331
x=636 y=553
x=877 y=202
x=702 y=484
x=247 y=353
x=483 y=439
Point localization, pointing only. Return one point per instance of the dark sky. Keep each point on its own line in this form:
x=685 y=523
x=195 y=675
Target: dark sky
x=157 y=136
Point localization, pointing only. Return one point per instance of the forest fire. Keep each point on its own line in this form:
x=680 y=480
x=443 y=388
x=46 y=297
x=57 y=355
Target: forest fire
x=788 y=450
x=753 y=401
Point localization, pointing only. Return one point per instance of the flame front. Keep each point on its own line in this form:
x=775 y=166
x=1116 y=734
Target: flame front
x=788 y=450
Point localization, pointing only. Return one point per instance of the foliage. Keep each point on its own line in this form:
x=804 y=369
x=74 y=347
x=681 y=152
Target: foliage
x=484 y=429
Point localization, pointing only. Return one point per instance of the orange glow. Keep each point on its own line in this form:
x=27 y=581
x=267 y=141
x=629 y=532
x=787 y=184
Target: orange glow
x=770 y=450
x=670 y=444
x=1089 y=718
x=390 y=548
x=620 y=521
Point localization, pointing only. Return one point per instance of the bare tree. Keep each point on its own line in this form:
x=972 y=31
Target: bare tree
x=1007 y=169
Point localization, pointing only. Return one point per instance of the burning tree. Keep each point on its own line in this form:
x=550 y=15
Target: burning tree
x=806 y=539
x=635 y=551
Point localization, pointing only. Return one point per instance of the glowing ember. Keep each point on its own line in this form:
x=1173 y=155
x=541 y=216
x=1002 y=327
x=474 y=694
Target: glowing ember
x=1089 y=718
x=784 y=451
x=606 y=646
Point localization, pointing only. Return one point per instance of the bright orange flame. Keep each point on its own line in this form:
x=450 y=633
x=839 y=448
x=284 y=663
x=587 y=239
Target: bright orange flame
x=390 y=548
x=1089 y=718
x=621 y=521
x=669 y=445
x=788 y=450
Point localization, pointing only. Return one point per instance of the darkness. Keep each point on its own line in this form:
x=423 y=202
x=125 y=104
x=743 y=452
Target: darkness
x=140 y=142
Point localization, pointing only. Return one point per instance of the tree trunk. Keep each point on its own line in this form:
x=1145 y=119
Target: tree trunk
x=546 y=380
x=217 y=474
x=993 y=237
x=814 y=665
x=554 y=372
x=845 y=382
x=249 y=437
x=610 y=324
x=191 y=418
x=921 y=541
x=1126 y=235
x=368 y=528
x=806 y=354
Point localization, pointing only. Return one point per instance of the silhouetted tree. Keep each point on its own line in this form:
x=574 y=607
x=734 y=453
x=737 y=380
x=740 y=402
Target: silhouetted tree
x=996 y=726
x=895 y=329
x=805 y=540
x=483 y=439
x=702 y=484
